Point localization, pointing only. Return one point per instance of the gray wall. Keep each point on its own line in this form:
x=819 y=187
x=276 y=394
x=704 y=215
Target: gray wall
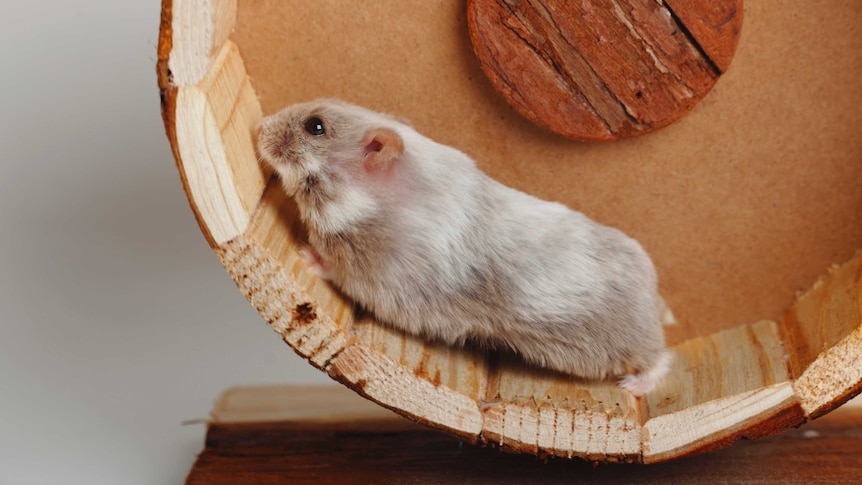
x=117 y=322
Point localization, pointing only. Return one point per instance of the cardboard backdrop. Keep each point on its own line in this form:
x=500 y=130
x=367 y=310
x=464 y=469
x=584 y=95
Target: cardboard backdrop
x=742 y=203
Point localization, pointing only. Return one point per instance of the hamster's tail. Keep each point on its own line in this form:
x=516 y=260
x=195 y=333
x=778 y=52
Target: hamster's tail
x=644 y=381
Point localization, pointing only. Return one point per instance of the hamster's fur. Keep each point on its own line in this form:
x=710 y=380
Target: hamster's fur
x=413 y=231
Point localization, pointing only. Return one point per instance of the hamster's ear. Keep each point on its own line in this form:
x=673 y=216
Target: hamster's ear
x=381 y=148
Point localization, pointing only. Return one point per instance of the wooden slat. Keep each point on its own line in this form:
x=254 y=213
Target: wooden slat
x=825 y=315
x=378 y=377
x=538 y=411
x=717 y=423
x=563 y=431
x=214 y=122
x=209 y=181
x=290 y=311
x=461 y=370
x=724 y=364
x=199 y=29
x=833 y=378
x=236 y=111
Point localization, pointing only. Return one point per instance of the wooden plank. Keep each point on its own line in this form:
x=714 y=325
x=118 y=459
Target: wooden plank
x=606 y=436
x=724 y=364
x=464 y=371
x=199 y=28
x=828 y=313
x=212 y=114
x=833 y=378
x=214 y=124
x=718 y=423
x=268 y=404
x=334 y=439
x=537 y=411
x=236 y=112
x=209 y=180
x=383 y=380
x=290 y=311
x=168 y=94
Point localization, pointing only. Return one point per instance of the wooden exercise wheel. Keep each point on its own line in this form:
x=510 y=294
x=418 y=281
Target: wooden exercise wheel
x=751 y=207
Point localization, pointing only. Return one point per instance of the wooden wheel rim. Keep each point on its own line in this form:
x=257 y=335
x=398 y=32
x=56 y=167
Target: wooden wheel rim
x=209 y=108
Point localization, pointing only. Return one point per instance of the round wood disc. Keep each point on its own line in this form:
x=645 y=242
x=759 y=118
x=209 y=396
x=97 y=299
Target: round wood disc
x=604 y=69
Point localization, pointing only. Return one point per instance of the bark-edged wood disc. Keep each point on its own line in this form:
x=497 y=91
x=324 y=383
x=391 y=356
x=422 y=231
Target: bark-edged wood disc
x=604 y=69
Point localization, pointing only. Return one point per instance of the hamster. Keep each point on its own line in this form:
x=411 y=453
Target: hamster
x=414 y=232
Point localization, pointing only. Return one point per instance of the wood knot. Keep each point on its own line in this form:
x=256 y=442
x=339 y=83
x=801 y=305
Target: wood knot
x=304 y=313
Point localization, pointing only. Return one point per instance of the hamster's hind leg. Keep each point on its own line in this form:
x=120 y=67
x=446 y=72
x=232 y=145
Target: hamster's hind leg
x=645 y=380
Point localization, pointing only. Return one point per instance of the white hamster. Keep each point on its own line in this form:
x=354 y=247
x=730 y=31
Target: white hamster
x=413 y=231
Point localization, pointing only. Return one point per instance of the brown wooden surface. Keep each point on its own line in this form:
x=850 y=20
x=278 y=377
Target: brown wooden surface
x=604 y=69
x=314 y=435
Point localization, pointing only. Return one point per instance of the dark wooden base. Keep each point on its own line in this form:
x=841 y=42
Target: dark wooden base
x=311 y=443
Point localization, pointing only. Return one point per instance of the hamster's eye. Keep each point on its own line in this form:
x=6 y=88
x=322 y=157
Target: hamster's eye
x=314 y=126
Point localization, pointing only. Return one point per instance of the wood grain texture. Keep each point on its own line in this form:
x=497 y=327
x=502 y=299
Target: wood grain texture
x=277 y=230
x=721 y=365
x=462 y=370
x=210 y=185
x=720 y=422
x=603 y=69
x=564 y=431
x=168 y=97
x=728 y=382
x=290 y=311
x=379 y=378
x=236 y=112
x=348 y=443
x=535 y=411
x=823 y=335
x=714 y=26
x=823 y=315
x=834 y=378
x=215 y=120
x=199 y=28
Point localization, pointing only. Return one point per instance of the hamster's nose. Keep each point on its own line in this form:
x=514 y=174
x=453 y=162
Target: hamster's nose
x=259 y=129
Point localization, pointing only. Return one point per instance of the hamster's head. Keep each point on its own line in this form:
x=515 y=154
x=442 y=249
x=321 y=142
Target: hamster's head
x=335 y=159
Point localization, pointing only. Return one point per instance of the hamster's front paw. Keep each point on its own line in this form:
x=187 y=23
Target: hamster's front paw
x=637 y=384
x=314 y=262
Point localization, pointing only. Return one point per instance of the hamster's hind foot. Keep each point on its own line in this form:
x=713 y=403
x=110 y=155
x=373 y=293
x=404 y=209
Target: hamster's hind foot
x=644 y=381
